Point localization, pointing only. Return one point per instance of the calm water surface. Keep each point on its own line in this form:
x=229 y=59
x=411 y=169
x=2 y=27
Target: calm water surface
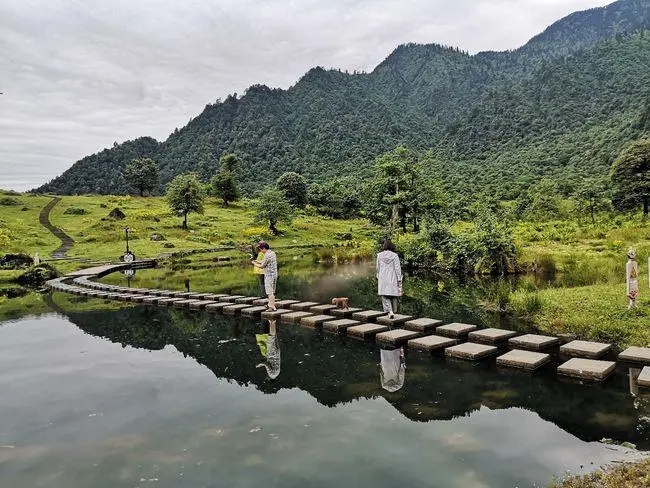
x=97 y=395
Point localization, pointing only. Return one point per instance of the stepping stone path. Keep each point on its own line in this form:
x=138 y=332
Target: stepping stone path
x=255 y=311
x=533 y=342
x=585 y=349
x=396 y=321
x=261 y=301
x=471 y=351
x=422 y=325
x=234 y=309
x=367 y=315
x=285 y=303
x=182 y=303
x=321 y=309
x=396 y=337
x=639 y=355
x=365 y=331
x=431 y=343
x=199 y=304
x=217 y=307
x=294 y=317
x=231 y=298
x=302 y=306
x=491 y=336
x=340 y=325
x=586 y=369
x=455 y=330
x=527 y=360
x=344 y=313
x=247 y=300
x=644 y=377
x=272 y=315
x=315 y=320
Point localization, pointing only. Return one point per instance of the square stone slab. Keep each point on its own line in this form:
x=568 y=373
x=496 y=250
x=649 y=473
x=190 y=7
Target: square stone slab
x=340 y=325
x=367 y=315
x=217 y=307
x=315 y=320
x=431 y=343
x=397 y=320
x=422 y=325
x=234 y=309
x=587 y=369
x=294 y=317
x=168 y=302
x=231 y=298
x=527 y=360
x=274 y=315
x=247 y=300
x=585 y=349
x=455 y=330
x=534 y=342
x=321 y=309
x=344 y=313
x=644 y=377
x=126 y=297
x=471 y=351
x=285 y=303
x=366 y=331
x=396 y=337
x=205 y=296
x=199 y=304
x=261 y=301
x=180 y=294
x=303 y=306
x=634 y=354
x=182 y=303
x=491 y=336
x=255 y=311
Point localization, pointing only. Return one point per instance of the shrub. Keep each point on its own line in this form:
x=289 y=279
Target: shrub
x=9 y=201
x=75 y=211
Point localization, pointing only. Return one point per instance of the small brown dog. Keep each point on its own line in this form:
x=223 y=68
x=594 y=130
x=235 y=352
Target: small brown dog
x=342 y=302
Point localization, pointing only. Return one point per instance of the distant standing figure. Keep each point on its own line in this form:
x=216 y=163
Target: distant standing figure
x=37 y=259
x=389 y=278
x=632 y=278
x=259 y=272
x=269 y=264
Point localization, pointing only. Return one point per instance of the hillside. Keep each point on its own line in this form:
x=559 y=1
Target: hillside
x=564 y=103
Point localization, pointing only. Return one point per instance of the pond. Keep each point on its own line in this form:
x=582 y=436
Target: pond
x=100 y=394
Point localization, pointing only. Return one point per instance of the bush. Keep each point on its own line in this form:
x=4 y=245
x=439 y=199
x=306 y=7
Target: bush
x=75 y=211
x=36 y=276
x=9 y=201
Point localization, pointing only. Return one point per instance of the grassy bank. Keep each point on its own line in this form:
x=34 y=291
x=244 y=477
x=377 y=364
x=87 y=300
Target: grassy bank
x=624 y=476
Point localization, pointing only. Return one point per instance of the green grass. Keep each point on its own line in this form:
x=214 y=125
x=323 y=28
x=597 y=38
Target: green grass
x=20 y=230
x=636 y=475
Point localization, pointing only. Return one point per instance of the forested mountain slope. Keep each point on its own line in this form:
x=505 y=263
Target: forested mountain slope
x=564 y=103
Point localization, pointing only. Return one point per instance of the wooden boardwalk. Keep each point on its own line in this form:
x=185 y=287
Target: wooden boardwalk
x=457 y=341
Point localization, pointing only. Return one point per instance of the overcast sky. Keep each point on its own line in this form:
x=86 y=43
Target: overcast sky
x=79 y=75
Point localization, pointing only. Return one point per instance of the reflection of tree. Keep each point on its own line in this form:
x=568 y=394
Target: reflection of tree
x=334 y=370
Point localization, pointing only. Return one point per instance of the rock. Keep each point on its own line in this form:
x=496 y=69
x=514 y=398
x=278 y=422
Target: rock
x=117 y=214
x=16 y=261
x=75 y=211
x=158 y=237
x=103 y=205
x=36 y=276
x=168 y=245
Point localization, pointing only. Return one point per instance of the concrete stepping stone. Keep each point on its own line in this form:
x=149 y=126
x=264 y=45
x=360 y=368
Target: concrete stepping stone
x=534 y=342
x=207 y=296
x=491 y=335
x=247 y=300
x=344 y=313
x=152 y=299
x=397 y=320
x=455 y=330
x=339 y=326
x=199 y=304
x=422 y=324
x=254 y=311
x=136 y=298
x=528 y=360
x=125 y=297
x=303 y=306
x=231 y=298
x=322 y=309
x=168 y=302
x=260 y=301
x=271 y=315
x=471 y=351
x=367 y=315
x=182 y=303
x=431 y=343
x=635 y=354
x=294 y=317
x=585 y=349
x=217 y=307
x=586 y=369
x=234 y=309
x=315 y=320
x=366 y=331
x=396 y=337
x=285 y=303
x=181 y=294
x=644 y=377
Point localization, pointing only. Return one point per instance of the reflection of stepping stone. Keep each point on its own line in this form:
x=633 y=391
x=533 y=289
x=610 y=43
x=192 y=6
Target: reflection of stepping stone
x=303 y=306
x=254 y=311
x=344 y=313
x=285 y=303
x=422 y=325
x=527 y=360
x=294 y=317
x=231 y=298
x=367 y=315
x=639 y=355
x=396 y=337
x=431 y=343
x=322 y=309
x=247 y=300
x=274 y=315
x=587 y=369
x=217 y=307
x=396 y=321
x=644 y=377
x=585 y=349
x=534 y=342
x=455 y=330
x=199 y=304
x=260 y=301
x=366 y=331
x=491 y=336
x=471 y=351
x=234 y=309
x=315 y=320
x=339 y=325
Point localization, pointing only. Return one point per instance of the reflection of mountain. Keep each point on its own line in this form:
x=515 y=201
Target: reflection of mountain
x=334 y=370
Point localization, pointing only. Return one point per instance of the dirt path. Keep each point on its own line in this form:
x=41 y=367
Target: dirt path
x=66 y=240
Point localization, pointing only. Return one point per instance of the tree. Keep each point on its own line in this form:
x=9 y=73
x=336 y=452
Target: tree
x=273 y=207
x=630 y=176
x=185 y=194
x=142 y=174
x=224 y=183
x=294 y=187
x=592 y=196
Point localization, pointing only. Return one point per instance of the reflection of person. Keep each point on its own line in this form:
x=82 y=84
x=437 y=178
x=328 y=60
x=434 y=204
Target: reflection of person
x=269 y=264
x=269 y=345
x=259 y=272
x=393 y=369
x=632 y=278
x=389 y=278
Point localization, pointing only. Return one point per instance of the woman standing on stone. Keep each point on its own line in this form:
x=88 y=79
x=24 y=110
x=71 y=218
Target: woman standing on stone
x=389 y=278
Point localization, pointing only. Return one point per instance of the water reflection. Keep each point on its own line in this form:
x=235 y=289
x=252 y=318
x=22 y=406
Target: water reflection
x=269 y=346
x=393 y=369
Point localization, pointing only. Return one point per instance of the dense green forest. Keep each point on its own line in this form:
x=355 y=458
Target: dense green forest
x=561 y=107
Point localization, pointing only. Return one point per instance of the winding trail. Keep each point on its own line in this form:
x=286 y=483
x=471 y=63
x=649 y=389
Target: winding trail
x=66 y=241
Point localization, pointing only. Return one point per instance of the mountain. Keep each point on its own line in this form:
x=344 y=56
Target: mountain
x=561 y=106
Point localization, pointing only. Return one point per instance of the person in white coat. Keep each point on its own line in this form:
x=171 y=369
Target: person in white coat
x=389 y=278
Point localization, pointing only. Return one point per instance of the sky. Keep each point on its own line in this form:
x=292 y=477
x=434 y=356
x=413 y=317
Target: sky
x=79 y=75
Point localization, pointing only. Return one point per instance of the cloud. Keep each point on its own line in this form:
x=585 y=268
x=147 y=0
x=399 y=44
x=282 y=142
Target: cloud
x=79 y=75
